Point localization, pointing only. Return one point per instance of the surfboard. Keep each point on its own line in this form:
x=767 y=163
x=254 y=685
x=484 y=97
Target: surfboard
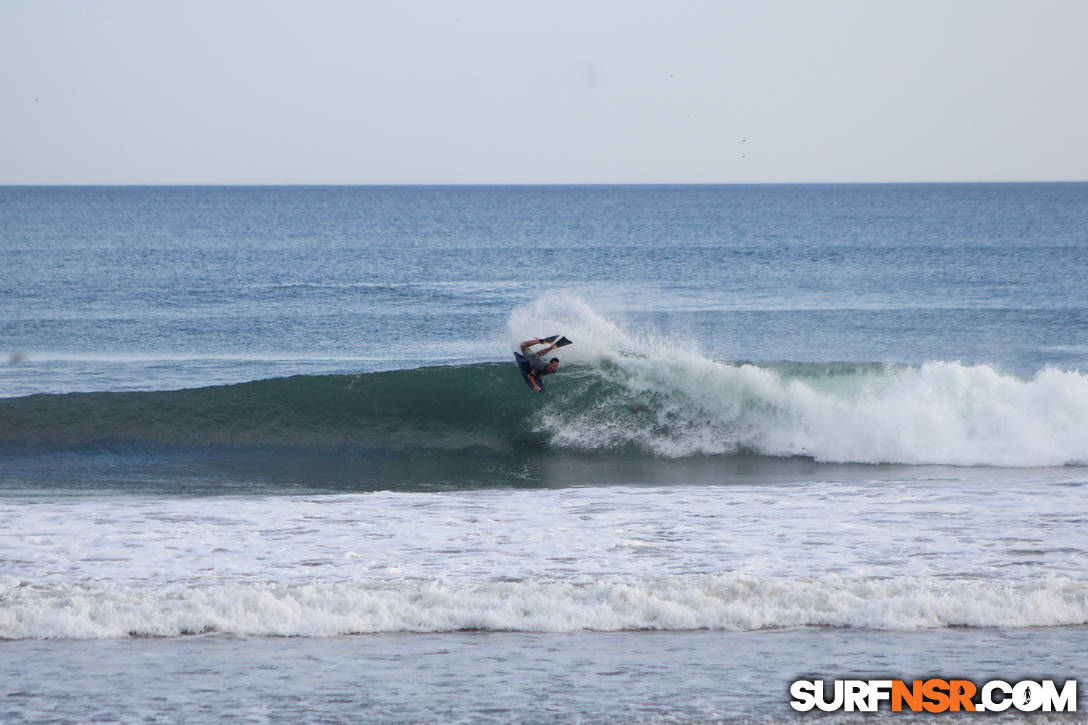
x=523 y=366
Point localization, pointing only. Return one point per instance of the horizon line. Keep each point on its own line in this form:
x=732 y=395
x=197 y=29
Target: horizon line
x=525 y=184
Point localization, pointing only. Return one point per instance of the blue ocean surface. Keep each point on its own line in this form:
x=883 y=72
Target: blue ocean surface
x=265 y=455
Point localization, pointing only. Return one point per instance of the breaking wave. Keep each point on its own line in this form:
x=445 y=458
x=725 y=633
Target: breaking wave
x=616 y=395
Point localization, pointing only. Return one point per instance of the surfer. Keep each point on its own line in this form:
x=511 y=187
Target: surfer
x=534 y=360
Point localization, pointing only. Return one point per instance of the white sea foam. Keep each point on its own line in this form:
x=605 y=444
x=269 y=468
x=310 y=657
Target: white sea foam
x=727 y=602
x=884 y=555
x=676 y=402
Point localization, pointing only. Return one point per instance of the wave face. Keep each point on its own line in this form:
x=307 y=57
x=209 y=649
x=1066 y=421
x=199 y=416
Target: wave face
x=659 y=403
x=442 y=408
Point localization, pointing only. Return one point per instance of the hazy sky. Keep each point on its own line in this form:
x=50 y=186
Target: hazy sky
x=341 y=92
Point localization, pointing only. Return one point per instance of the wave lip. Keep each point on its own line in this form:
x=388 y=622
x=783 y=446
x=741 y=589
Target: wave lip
x=725 y=602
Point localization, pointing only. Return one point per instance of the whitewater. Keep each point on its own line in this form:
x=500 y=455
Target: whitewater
x=617 y=559
x=682 y=403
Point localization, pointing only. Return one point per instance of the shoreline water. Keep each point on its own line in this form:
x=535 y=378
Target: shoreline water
x=691 y=677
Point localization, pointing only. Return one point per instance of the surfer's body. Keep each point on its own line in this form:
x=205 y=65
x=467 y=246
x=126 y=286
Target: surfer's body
x=533 y=365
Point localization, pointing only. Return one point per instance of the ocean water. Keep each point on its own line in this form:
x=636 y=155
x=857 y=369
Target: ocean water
x=265 y=455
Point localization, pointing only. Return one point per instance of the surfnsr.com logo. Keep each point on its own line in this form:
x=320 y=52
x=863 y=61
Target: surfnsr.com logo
x=934 y=695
